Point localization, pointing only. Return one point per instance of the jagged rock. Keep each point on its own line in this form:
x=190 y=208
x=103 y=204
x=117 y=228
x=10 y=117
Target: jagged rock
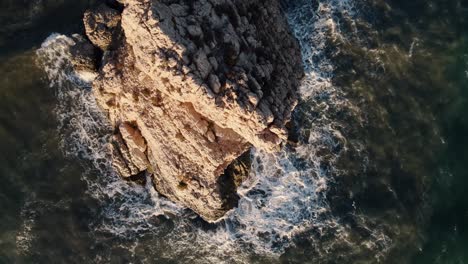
x=119 y=162
x=192 y=85
x=239 y=169
x=100 y=24
x=83 y=54
x=136 y=145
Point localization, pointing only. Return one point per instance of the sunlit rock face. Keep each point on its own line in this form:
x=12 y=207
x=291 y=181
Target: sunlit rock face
x=192 y=85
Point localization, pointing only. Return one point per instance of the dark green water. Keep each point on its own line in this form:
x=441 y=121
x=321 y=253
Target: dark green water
x=436 y=81
x=402 y=68
x=34 y=171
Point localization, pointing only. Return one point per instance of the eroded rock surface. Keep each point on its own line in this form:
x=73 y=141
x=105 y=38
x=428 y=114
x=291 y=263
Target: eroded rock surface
x=192 y=85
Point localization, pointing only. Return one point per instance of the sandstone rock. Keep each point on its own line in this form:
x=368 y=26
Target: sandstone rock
x=136 y=145
x=119 y=162
x=192 y=85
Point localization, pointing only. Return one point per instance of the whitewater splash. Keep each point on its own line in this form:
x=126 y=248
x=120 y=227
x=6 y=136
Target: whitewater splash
x=86 y=135
x=285 y=194
x=315 y=28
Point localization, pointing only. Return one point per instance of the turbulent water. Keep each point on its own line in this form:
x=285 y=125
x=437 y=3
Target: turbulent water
x=379 y=138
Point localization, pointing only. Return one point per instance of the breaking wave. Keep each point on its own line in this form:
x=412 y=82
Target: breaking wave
x=284 y=196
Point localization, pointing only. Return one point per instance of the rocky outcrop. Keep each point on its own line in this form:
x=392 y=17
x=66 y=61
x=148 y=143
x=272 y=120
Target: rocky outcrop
x=100 y=25
x=83 y=54
x=190 y=86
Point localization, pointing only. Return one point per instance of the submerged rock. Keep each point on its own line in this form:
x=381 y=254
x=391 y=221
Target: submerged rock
x=192 y=85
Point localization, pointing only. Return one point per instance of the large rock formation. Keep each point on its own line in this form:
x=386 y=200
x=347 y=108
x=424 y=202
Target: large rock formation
x=192 y=85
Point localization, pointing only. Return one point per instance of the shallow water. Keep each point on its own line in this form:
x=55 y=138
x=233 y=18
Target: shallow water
x=378 y=174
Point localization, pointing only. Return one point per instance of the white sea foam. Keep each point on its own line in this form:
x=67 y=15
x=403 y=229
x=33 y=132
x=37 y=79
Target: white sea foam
x=25 y=236
x=85 y=135
x=285 y=194
x=314 y=28
x=31 y=212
